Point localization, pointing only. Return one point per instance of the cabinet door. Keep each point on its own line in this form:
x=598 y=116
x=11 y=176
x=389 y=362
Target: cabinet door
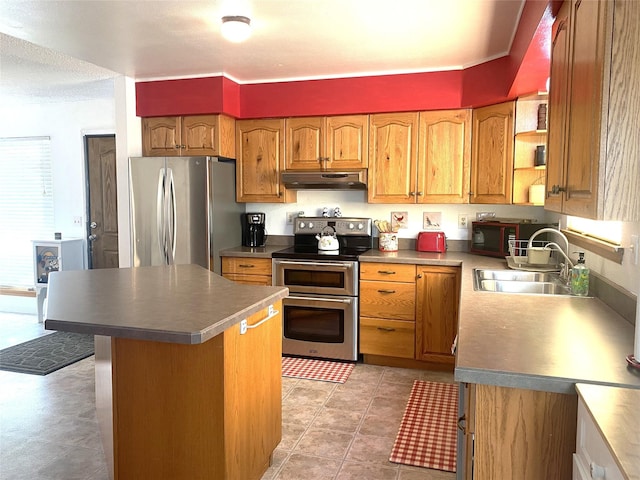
x=161 y=136
x=585 y=113
x=305 y=143
x=199 y=135
x=392 y=157
x=492 y=154
x=260 y=151
x=437 y=299
x=348 y=142
x=558 y=94
x=444 y=156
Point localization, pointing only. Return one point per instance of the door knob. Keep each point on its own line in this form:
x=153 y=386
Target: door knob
x=93 y=225
x=92 y=237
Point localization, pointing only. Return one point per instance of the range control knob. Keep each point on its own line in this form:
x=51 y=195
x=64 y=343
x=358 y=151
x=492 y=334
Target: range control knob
x=310 y=224
x=360 y=226
x=301 y=224
x=351 y=226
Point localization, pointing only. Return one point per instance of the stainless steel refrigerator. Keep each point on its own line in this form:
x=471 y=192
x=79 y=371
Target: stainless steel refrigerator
x=183 y=210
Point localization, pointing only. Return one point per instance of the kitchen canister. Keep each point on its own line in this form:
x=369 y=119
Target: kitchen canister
x=388 y=242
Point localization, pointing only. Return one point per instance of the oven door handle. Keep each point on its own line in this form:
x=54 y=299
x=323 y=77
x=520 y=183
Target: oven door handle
x=317 y=264
x=324 y=299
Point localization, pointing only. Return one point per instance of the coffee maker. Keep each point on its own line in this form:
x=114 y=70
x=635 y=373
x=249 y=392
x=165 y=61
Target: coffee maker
x=253 y=230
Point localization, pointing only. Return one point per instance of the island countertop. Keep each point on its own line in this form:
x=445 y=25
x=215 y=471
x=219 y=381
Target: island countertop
x=185 y=304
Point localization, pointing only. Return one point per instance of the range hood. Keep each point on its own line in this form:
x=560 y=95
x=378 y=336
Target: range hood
x=299 y=180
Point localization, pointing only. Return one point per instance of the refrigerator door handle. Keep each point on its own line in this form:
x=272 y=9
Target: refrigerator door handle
x=160 y=205
x=171 y=218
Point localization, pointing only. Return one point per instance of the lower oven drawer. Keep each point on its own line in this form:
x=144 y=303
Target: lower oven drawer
x=392 y=338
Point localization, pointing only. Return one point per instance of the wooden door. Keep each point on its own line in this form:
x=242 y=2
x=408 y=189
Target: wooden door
x=199 y=134
x=558 y=95
x=437 y=299
x=444 y=156
x=260 y=151
x=392 y=154
x=305 y=143
x=161 y=136
x=585 y=111
x=347 y=142
x=103 y=205
x=492 y=154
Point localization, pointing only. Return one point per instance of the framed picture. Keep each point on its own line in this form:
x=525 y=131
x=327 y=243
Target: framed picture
x=431 y=220
x=399 y=220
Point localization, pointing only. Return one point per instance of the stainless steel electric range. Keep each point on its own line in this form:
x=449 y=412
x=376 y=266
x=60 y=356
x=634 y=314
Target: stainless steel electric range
x=320 y=315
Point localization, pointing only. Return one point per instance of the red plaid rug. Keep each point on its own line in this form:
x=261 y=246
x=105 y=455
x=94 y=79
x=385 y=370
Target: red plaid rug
x=312 y=369
x=427 y=435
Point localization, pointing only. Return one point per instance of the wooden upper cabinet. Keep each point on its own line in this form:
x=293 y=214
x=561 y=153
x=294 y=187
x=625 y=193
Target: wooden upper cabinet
x=212 y=135
x=347 y=142
x=599 y=166
x=305 y=143
x=260 y=161
x=444 y=156
x=492 y=154
x=161 y=136
x=327 y=143
x=558 y=101
x=393 y=141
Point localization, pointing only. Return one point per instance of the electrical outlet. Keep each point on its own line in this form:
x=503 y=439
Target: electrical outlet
x=290 y=217
x=77 y=220
x=462 y=221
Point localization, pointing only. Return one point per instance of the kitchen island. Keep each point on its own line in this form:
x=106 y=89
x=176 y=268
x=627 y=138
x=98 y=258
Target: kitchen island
x=184 y=387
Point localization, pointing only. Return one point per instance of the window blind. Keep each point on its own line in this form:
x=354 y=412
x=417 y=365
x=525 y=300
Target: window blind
x=26 y=205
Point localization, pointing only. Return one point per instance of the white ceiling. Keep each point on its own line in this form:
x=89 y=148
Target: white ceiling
x=61 y=48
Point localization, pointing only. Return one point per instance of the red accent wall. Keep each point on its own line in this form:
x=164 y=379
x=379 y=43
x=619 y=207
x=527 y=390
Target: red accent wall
x=524 y=70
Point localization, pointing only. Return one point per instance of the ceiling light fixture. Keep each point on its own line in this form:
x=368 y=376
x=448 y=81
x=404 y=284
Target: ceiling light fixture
x=236 y=28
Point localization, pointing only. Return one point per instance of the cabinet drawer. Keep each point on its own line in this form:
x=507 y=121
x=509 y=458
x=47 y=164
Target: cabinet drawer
x=390 y=272
x=391 y=300
x=247 y=266
x=392 y=338
x=263 y=280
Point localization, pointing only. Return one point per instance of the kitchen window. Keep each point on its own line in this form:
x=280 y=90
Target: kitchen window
x=26 y=205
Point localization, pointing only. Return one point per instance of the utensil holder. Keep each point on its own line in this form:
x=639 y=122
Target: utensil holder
x=388 y=242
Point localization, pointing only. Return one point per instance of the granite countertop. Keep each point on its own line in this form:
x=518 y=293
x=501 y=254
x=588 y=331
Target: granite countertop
x=615 y=412
x=178 y=304
x=537 y=342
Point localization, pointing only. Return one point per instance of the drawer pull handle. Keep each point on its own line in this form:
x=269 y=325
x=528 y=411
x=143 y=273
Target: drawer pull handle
x=597 y=471
x=246 y=266
x=386 y=272
x=387 y=329
x=462 y=424
x=386 y=291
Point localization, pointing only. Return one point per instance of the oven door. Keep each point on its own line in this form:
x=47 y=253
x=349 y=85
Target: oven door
x=321 y=327
x=316 y=277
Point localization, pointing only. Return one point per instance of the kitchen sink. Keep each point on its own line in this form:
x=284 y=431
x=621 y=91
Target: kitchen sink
x=519 y=281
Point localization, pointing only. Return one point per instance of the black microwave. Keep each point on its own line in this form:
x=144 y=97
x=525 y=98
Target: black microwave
x=492 y=238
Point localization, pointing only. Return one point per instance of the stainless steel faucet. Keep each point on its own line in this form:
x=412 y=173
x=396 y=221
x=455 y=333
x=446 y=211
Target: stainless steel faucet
x=568 y=265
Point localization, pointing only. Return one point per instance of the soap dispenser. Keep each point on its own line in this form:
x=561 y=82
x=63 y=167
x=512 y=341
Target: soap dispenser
x=580 y=277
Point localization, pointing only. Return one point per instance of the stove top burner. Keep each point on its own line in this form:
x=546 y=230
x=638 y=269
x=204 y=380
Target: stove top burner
x=353 y=234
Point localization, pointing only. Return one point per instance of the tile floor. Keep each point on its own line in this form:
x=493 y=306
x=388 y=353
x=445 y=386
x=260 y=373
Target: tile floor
x=48 y=428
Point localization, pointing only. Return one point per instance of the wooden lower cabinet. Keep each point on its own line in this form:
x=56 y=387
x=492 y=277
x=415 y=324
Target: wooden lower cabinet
x=248 y=271
x=523 y=434
x=408 y=312
x=437 y=300
x=211 y=410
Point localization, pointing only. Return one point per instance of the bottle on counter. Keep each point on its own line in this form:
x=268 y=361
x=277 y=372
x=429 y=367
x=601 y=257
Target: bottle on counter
x=580 y=277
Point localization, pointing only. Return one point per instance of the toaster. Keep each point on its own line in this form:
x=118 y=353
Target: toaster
x=431 y=242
